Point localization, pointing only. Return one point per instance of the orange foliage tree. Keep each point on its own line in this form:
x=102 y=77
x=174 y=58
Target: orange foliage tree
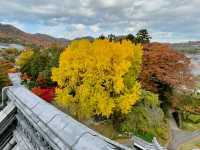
x=164 y=67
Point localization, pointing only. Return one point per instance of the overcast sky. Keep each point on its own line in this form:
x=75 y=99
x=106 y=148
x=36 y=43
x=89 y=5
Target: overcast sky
x=166 y=20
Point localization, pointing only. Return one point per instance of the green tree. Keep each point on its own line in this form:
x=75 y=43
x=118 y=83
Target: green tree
x=111 y=37
x=143 y=36
x=102 y=37
x=37 y=64
x=146 y=119
x=53 y=61
x=131 y=37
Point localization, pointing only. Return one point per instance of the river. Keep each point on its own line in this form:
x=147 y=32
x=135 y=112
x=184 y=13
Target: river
x=195 y=60
x=6 y=45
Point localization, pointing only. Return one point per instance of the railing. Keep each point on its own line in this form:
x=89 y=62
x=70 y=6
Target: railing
x=41 y=126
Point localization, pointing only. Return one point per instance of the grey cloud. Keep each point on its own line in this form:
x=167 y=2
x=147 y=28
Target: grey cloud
x=180 y=17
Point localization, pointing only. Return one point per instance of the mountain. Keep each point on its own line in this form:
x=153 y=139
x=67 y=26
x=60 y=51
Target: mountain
x=90 y=38
x=11 y=34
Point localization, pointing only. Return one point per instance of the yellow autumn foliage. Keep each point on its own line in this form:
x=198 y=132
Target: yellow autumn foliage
x=90 y=77
x=24 y=57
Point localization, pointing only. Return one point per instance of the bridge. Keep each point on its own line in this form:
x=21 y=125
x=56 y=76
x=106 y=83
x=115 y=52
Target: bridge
x=29 y=123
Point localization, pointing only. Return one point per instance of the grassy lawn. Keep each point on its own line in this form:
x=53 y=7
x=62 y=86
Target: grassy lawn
x=190 y=126
x=192 y=145
x=106 y=128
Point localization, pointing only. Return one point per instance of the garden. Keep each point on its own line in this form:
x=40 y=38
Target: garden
x=119 y=87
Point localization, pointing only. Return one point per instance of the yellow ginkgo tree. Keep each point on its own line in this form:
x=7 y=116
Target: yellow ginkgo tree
x=98 y=78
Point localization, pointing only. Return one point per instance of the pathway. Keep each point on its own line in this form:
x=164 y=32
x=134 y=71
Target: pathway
x=179 y=136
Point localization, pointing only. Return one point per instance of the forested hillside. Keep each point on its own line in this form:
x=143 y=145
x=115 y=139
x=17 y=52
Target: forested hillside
x=11 y=34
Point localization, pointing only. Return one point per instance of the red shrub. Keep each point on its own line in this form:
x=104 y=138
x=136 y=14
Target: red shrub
x=45 y=93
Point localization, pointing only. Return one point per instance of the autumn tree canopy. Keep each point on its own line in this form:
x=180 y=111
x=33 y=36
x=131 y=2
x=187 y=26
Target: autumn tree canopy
x=37 y=64
x=163 y=66
x=23 y=58
x=92 y=77
x=5 y=68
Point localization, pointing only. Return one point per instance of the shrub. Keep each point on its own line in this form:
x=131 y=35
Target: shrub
x=187 y=102
x=45 y=93
x=9 y=54
x=194 y=118
x=189 y=117
x=146 y=119
x=4 y=81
